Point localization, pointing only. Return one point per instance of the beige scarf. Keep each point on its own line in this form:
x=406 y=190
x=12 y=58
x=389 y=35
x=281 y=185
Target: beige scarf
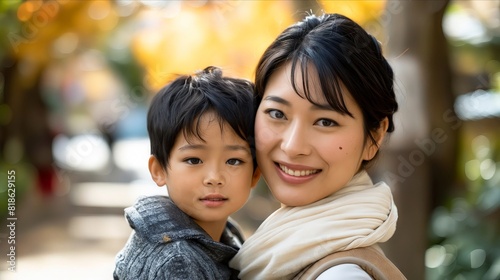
x=359 y=215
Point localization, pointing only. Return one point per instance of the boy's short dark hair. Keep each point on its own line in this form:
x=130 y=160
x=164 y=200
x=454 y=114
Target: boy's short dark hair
x=178 y=106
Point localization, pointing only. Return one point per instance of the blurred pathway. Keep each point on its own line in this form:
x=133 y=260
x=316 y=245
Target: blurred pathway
x=74 y=236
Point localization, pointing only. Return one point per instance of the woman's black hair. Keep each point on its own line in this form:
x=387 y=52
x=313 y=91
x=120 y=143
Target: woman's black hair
x=344 y=55
x=178 y=106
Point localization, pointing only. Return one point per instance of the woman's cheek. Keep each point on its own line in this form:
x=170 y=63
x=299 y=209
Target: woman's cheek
x=333 y=149
x=262 y=138
x=264 y=134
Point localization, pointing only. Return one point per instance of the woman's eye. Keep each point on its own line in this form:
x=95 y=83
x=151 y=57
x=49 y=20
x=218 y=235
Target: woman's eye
x=193 y=161
x=275 y=114
x=234 y=161
x=326 y=123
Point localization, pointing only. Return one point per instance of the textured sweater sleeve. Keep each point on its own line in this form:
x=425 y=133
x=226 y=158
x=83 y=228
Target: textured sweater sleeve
x=180 y=267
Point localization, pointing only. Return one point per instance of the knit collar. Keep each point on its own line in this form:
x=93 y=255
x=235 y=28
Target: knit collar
x=159 y=220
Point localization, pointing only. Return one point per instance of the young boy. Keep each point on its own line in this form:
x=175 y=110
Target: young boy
x=201 y=133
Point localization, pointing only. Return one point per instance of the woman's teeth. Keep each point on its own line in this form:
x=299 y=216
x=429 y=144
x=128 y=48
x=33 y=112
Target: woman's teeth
x=297 y=173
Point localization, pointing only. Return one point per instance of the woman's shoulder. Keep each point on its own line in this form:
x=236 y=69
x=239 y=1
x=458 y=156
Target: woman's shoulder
x=360 y=263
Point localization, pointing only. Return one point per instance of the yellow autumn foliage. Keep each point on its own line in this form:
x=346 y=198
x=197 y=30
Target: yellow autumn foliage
x=229 y=34
x=177 y=38
x=359 y=11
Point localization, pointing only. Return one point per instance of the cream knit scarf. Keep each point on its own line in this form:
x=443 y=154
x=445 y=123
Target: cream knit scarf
x=359 y=215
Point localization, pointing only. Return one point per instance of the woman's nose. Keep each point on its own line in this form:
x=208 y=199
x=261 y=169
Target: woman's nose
x=295 y=141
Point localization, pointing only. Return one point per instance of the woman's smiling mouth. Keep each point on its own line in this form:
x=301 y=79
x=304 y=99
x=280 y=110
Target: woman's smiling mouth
x=297 y=173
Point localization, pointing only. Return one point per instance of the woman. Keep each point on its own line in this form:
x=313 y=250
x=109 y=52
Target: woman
x=326 y=102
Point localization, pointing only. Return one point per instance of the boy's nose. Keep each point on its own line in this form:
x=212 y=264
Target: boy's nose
x=214 y=179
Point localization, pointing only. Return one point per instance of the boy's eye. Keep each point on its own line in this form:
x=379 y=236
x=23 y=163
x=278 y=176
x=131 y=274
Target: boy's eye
x=193 y=161
x=234 y=161
x=275 y=114
x=326 y=122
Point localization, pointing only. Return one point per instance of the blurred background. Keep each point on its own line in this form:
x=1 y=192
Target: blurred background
x=76 y=78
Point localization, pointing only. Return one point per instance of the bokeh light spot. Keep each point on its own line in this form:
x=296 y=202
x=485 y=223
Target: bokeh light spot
x=26 y=9
x=435 y=256
x=477 y=258
x=99 y=10
x=487 y=169
x=472 y=169
x=66 y=44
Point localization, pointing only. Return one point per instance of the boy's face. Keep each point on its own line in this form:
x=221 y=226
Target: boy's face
x=211 y=179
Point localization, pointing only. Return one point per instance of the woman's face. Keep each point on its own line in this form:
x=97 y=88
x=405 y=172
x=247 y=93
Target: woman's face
x=307 y=152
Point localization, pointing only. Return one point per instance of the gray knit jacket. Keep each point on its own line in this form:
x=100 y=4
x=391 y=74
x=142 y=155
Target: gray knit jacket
x=167 y=244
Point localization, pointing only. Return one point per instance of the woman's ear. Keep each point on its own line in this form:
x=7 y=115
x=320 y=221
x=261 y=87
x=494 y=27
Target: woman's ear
x=157 y=172
x=372 y=148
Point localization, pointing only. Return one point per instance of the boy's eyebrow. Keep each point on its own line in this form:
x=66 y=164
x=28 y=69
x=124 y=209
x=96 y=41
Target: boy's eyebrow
x=204 y=147
x=191 y=147
x=237 y=148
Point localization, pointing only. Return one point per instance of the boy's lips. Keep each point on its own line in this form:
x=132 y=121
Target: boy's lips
x=213 y=200
x=214 y=196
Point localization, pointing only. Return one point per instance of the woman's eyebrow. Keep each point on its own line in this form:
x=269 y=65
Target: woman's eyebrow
x=314 y=106
x=321 y=107
x=277 y=99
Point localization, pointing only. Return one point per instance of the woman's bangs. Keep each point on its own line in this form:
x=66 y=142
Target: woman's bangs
x=330 y=83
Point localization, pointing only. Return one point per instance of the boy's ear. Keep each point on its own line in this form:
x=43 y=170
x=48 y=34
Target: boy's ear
x=379 y=134
x=157 y=172
x=255 y=177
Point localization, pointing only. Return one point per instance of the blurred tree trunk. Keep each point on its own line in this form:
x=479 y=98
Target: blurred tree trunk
x=419 y=160
x=27 y=137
